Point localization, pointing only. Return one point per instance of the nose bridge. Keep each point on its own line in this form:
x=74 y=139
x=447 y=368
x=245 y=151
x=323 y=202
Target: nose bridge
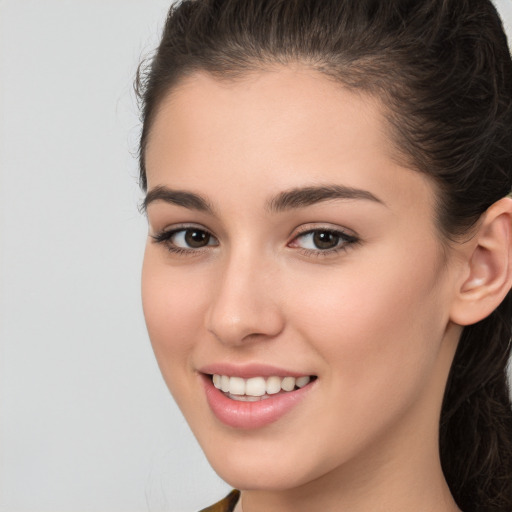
x=244 y=304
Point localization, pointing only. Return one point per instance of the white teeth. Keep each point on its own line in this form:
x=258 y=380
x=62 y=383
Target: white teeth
x=237 y=386
x=288 y=383
x=273 y=385
x=247 y=398
x=257 y=386
x=302 y=381
x=224 y=383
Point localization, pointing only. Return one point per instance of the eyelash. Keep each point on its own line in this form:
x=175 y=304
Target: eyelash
x=345 y=241
x=165 y=238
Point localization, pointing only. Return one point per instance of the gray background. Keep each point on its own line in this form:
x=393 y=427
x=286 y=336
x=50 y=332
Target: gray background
x=86 y=423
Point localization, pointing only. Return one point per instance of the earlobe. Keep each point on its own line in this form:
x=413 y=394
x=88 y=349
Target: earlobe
x=488 y=266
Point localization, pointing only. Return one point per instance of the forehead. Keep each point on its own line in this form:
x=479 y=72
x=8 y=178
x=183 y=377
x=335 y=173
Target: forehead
x=275 y=130
x=278 y=107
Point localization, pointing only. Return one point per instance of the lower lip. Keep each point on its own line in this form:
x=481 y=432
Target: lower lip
x=251 y=415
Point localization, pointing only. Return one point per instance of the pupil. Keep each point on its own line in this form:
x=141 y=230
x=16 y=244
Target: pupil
x=325 y=239
x=196 y=238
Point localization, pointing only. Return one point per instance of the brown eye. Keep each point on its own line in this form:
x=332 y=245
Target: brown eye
x=196 y=238
x=325 y=239
x=186 y=239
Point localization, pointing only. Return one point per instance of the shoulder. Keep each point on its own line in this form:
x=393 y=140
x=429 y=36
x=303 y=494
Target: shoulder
x=225 y=505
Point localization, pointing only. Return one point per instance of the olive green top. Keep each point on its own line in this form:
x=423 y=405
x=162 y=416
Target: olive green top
x=228 y=504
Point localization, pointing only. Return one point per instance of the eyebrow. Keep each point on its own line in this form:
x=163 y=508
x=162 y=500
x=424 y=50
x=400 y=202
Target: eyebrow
x=307 y=196
x=288 y=200
x=178 y=197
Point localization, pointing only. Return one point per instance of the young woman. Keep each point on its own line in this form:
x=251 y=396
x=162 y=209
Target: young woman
x=327 y=274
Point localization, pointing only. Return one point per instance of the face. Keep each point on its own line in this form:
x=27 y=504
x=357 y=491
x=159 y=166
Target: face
x=292 y=262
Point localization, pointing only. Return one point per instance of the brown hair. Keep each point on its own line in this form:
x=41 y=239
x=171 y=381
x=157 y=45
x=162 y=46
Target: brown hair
x=443 y=69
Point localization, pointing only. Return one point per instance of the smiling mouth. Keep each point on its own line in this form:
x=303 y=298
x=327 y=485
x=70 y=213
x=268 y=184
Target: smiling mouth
x=258 y=388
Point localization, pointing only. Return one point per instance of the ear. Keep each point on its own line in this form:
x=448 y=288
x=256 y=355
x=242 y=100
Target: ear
x=487 y=266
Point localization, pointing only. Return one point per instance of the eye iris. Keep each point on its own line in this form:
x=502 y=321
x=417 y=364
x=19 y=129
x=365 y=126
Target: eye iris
x=196 y=238
x=325 y=239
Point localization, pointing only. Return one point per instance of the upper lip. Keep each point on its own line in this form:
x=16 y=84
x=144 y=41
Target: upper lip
x=246 y=371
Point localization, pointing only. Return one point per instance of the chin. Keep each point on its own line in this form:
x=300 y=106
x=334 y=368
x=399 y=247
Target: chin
x=275 y=471
x=261 y=478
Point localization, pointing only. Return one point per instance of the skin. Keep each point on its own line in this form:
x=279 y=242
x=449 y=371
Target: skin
x=372 y=321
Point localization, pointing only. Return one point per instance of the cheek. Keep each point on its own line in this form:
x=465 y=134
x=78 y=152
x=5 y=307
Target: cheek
x=172 y=302
x=377 y=330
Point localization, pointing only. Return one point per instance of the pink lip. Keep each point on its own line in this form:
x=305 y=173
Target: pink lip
x=249 y=370
x=251 y=415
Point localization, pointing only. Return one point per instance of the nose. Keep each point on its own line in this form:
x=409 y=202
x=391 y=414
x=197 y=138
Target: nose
x=245 y=305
